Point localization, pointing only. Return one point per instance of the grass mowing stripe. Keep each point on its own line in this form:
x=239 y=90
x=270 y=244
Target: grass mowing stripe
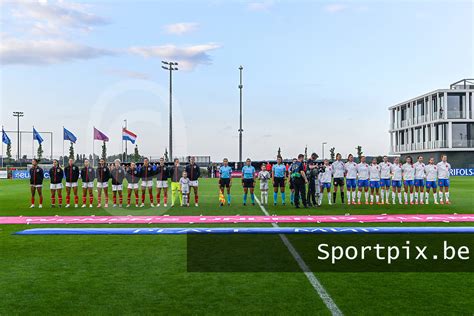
x=318 y=287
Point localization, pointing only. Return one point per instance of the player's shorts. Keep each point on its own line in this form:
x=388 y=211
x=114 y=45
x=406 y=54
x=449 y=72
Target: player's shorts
x=194 y=183
x=185 y=191
x=36 y=185
x=132 y=186
x=147 y=184
x=431 y=185
x=117 y=187
x=87 y=184
x=161 y=184
x=263 y=185
x=443 y=183
x=409 y=183
x=384 y=182
x=419 y=183
x=224 y=182
x=102 y=185
x=56 y=186
x=397 y=183
x=279 y=182
x=363 y=183
x=374 y=184
x=351 y=183
x=71 y=184
x=326 y=185
x=338 y=182
x=248 y=183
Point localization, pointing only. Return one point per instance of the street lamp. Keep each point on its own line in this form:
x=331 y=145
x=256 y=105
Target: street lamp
x=18 y=115
x=170 y=66
x=240 y=126
x=322 y=145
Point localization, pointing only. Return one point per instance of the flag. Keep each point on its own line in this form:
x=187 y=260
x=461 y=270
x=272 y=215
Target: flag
x=127 y=135
x=5 y=139
x=37 y=136
x=98 y=135
x=69 y=136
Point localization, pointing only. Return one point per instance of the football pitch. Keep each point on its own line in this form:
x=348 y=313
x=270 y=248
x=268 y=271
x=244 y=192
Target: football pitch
x=148 y=274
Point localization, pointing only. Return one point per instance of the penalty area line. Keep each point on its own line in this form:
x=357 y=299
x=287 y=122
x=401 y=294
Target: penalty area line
x=315 y=283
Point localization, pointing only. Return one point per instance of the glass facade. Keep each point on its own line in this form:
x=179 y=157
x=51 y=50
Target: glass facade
x=456 y=105
x=463 y=135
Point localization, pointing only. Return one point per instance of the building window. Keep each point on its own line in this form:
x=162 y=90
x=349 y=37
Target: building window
x=455 y=105
x=463 y=135
x=434 y=102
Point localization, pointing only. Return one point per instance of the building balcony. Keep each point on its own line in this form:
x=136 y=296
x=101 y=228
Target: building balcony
x=463 y=143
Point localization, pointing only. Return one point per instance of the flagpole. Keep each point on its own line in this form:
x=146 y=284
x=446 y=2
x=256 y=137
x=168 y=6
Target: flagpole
x=93 y=151
x=33 y=146
x=121 y=137
x=2 y=145
x=63 y=147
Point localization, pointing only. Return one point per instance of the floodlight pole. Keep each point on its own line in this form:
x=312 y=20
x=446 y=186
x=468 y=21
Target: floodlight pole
x=18 y=115
x=170 y=67
x=240 y=126
x=322 y=145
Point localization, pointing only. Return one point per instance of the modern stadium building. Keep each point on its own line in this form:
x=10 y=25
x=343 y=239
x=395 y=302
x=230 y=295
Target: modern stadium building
x=435 y=123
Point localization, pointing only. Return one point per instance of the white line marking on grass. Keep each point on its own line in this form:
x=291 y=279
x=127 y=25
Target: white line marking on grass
x=318 y=287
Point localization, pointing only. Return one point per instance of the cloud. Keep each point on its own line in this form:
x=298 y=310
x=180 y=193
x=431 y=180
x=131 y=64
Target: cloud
x=188 y=57
x=128 y=74
x=44 y=52
x=180 y=28
x=260 y=5
x=54 y=18
x=336 y=7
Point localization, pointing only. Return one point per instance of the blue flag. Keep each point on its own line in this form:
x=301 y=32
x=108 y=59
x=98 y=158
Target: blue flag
x=69 y=136
x=5 y=139
x=37 y=136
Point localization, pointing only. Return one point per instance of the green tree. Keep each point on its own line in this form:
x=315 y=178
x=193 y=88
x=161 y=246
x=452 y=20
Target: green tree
x=279 y=152
x=136 y=154
x=71 y=151
x=39 y=152
x=104 y=151
x=379 y=159
x=9 y=151
x=332 y=153
x=359 y=152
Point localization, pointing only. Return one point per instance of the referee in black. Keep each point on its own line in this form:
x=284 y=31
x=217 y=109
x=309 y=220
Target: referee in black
x=299 y=179
x=312 y=176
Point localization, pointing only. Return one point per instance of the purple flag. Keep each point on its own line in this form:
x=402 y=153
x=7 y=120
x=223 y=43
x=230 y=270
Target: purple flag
x=98 y=135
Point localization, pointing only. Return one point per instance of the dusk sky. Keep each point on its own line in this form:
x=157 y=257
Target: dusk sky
x=314 y=71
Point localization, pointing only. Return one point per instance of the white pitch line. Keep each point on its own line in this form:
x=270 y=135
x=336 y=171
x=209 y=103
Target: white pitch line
x=318 y=287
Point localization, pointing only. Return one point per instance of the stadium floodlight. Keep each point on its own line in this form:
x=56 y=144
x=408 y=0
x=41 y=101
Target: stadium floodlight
x=170 y=68
x=240 y=126
x=322 y=145
x=18 y=114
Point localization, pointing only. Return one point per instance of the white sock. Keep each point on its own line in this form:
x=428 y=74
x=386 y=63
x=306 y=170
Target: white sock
x=411 y=197
x=348 y=196
x=416 y=196
x=329 y=197
x=400 y=197
x=377 y=198
x=359 y=195
x=366 y=194
x=383 y=194
x=406 y=196
x=435 y=196
x=354 y=194
x=393 y=197
x=446 y=196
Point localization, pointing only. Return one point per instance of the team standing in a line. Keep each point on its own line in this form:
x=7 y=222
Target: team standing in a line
x=375 y=180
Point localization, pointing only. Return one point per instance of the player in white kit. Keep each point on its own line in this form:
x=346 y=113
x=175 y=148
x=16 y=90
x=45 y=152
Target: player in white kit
x=184 y=183
x=419 y=180
x=374 y=176
x=264 y=176
x=338 y=170
x=396 y=171
x=351 y=179
x=326 y=178
x=443 y=179
x=431 y=171
x=408 y=171
x=363 y=180
x=385 y=170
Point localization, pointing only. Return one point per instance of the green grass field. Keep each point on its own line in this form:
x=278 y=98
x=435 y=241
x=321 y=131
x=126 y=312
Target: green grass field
x=147 y=274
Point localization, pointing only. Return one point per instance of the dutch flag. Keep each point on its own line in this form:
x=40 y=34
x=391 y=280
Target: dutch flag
x=127 y=135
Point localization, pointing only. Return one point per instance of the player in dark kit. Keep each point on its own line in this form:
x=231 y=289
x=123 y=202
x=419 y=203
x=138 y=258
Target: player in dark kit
x=36 y=183
x=56 y=175
x=71 y=172
x=298 y=177
x=133 y=176
x=118 y=174
x=312 y=173
x=146 y=174
x=87 y=176
x=103 y=176
x=162 y=175
x=193 y=171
